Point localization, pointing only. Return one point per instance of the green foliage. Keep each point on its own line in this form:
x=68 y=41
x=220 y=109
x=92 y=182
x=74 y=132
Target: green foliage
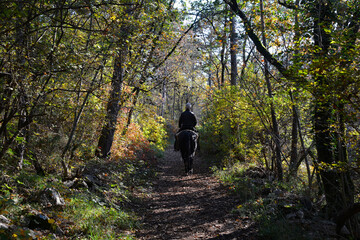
x=238 y=184
x=237 y=181
x=154 y=131
x=230 y=127
x=58 y=56
x=69 y=67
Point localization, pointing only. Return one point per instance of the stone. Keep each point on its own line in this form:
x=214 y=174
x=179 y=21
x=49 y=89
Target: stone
x=4 y=219
x=300 y=214
x=50 y=197
x=291 y=216
x=79 y=183
x=5 y=223
x=4 y=226
x=39 y=221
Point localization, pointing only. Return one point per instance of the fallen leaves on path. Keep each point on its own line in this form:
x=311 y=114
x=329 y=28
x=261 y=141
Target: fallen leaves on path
x=191 y=207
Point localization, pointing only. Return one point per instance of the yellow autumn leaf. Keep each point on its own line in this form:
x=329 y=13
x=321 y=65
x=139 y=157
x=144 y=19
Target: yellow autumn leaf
x=51 y=221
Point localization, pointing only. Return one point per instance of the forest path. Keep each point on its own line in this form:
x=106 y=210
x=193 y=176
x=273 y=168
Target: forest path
x=190 y=207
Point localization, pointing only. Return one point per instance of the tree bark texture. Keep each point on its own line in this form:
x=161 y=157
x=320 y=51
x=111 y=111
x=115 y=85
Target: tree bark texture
x=113 y=106
x=233 y=50
x=294 y=143
x=131 y=111
x=223 y=55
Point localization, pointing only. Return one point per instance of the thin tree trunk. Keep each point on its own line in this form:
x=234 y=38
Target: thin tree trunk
x=131 y=111
x=75 y=123
x=347 y=184
x=294 y=142
x=163 y=101
x=209 y=80
x=296 y=161
x=35 y=161
x=233 y=50
x=330 y=178
x=222 y=54
x=21 y=40
x=275 y=127
x=295 y=127
x=173 y=105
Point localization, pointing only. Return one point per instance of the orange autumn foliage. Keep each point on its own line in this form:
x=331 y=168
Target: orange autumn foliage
x=133 y=145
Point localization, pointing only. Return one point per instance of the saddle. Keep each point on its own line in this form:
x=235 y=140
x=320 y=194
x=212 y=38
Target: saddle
x=176 y=144
x=189 y=130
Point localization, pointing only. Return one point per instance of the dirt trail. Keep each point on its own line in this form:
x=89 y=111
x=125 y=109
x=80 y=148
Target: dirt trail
x=191 y=207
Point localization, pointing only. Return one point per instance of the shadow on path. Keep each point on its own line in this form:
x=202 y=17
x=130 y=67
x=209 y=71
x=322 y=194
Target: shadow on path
x=191 y=207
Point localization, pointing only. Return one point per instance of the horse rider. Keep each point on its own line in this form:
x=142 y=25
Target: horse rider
x=187 y=121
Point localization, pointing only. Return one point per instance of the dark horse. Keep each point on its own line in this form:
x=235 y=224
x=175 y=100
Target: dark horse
x=188 y=144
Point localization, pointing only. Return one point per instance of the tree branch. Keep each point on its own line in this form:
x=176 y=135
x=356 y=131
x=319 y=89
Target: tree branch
x=288 y=5
x=259 y=46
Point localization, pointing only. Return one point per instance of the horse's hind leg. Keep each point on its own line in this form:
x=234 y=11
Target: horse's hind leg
x=186 y=163
x=190 y=165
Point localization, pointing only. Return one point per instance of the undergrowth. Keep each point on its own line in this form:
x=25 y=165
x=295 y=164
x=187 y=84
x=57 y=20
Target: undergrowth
x=265 y=200
x=102 y=211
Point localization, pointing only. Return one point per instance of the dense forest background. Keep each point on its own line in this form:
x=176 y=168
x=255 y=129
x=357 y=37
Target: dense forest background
x=274 y=84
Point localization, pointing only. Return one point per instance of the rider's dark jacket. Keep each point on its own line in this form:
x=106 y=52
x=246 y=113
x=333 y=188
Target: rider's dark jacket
x=187 y=120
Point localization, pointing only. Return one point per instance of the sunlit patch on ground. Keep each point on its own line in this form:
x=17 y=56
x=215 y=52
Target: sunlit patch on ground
x=191 y=207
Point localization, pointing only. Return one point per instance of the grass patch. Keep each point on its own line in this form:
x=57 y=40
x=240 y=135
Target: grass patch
x=96 y=219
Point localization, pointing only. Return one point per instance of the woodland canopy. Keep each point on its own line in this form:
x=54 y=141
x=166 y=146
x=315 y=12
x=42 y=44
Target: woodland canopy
x=274 y=84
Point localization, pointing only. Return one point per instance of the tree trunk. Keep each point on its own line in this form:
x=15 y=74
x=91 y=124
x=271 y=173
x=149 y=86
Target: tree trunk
x=21 y=40
x=75 y=124
x=295 y=127
x=173 y=104
x=323 y=138
x=222 y=54
x=131 y=111
x=35 y=161
x=163 y=98
x=233 y=50
x=113 y=106
x=275 y=126
x=335 y=182
x=294 y=143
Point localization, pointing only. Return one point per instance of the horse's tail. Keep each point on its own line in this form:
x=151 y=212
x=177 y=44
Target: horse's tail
x=187 y=140
x=184 y=139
